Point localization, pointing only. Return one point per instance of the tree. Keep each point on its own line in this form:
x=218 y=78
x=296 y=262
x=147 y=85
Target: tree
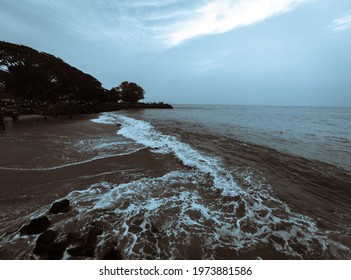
x=115 y=94
x=130 y=92
x=41 y=76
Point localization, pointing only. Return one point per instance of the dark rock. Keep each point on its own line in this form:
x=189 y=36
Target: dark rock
x=92 y=236
x=74 y=237
x=99 y=227
x=44 y=241
x=85 y=250
x=96 y=230
x=36 y=226
x=112 y=254
x=23 y=230
x=60 y=207
x=56 y=250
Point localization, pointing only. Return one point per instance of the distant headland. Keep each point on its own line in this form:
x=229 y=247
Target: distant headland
x=33 y=82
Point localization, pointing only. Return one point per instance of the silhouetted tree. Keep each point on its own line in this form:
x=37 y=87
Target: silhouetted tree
x=115 y=94
x=130 y=92
x=42 y=76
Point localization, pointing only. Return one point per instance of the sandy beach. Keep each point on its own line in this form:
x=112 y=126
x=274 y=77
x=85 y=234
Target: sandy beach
x=25 y=187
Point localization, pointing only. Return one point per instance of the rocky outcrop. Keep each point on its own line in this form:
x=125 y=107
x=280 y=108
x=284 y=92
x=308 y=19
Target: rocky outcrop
x=44 y=241
x=62 y=206
x=112 y=254
x=36 y=226
x=96 y=230
x=84 y=250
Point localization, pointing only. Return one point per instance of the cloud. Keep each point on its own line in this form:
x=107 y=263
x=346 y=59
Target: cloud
x=341 y=24
x=217 y=17
x=162 y=22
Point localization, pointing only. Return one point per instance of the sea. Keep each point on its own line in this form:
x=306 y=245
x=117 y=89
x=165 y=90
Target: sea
x=242 y=182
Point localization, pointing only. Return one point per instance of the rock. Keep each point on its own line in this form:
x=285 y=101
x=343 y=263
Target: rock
x=36 y=226
x=99 y=226
x=23 y=230
x=56 y=250
x=85 y=250
x=74 y=237
x=44 y=241
x=112 y=254
x=96 y=230
x=60 y=207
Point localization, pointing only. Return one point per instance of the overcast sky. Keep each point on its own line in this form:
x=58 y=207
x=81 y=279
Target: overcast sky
x=253 y=52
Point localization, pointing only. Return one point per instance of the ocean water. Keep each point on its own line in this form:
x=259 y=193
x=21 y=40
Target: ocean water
x=249 y=183
x=318 y=133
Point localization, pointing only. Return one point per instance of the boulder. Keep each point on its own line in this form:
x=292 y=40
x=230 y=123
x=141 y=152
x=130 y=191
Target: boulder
x=112 y=254
x=60 y=207
x=74 y=237
x=85 y=250
x=44 y=241
x=96 y=230
x=36 y=226
x=56 y=250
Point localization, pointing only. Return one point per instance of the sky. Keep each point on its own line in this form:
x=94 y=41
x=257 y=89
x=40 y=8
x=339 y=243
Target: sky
x=246 y=52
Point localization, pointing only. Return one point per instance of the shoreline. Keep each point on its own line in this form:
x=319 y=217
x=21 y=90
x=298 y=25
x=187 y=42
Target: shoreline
x=25 y=193
x=79 y=110
x=17 y=178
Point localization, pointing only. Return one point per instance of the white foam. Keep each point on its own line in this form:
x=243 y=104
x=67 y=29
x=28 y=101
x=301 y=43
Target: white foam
x=144 y=133
x=105 y=118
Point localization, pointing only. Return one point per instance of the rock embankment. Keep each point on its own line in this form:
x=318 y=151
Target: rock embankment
x=53 y=245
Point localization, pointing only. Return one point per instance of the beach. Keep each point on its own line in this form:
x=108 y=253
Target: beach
x=32 y=180
x=159 y=186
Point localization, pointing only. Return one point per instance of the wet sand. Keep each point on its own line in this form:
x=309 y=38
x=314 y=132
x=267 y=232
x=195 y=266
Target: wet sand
x=25 y=191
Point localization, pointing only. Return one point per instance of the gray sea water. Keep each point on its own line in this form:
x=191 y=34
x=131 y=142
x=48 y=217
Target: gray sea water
x=319 y=133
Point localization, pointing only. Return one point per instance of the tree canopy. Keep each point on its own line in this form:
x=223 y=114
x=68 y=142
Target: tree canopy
x=37 y=75
x=130 y=92
x=29 y=74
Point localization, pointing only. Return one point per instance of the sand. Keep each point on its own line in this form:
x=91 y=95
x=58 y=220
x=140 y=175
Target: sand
x=23 y=191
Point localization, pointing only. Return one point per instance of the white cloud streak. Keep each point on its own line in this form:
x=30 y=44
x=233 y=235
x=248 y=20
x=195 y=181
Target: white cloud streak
x=165 y=22
x=341 y=24
x=222 y=16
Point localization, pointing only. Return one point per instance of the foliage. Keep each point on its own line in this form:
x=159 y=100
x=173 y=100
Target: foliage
x=130 y=92
x=41 y=76
x=32 y=75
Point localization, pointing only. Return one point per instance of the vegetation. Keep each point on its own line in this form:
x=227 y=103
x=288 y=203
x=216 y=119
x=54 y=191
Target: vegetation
x=33 y=75
x=129 y=92
x=41 y=77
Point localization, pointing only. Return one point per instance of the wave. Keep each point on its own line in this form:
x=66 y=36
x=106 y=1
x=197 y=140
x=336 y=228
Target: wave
x=258 y=215
x=201 y=210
